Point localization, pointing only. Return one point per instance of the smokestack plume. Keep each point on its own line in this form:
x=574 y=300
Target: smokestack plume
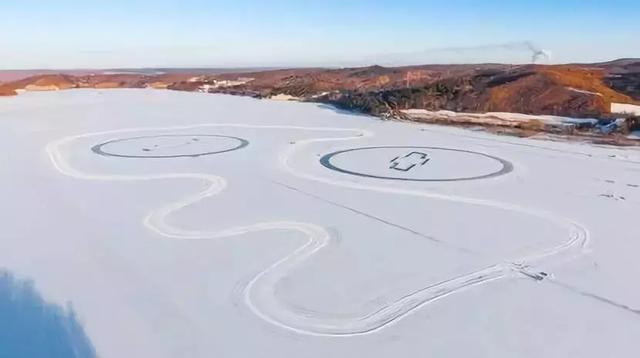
x=537 y=53
x=477 y=54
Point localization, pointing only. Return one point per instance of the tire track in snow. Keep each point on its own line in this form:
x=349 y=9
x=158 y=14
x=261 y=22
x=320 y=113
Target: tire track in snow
x=259 y=294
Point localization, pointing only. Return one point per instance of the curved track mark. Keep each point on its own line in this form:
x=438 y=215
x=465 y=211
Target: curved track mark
x=259 y=293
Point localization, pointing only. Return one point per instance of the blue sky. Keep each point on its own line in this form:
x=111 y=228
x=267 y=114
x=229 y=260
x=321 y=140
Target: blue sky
x=188 y=33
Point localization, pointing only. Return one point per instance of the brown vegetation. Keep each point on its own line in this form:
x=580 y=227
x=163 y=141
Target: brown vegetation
x=570 y=90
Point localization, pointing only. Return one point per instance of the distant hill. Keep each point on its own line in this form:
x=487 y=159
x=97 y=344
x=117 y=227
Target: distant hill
x=579 y=90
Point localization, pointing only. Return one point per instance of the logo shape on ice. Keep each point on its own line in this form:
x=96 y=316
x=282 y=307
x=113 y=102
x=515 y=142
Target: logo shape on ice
x=445 y=164
x=409 y=161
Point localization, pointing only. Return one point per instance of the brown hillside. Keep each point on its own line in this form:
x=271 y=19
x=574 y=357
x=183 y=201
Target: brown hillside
x=568 y=90
x=540 y=93
x=6 y=90
x=562 y=90
x=586 y=79
x=45 y=82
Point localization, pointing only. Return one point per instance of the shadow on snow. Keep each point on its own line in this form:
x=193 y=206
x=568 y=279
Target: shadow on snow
x=31 y=327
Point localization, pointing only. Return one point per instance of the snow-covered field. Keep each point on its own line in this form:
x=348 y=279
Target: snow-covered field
x=195 y=225
x=625 y=108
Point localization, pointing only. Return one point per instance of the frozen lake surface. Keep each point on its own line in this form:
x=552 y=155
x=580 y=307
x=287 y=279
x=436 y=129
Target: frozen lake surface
x=192 y=225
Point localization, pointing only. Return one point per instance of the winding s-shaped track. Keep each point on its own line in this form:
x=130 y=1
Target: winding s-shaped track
x=259 y=293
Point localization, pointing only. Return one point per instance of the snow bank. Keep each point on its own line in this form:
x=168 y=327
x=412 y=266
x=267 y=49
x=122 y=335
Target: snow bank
x=498 y=118
x=284 y=97
x=625 y=108
x=584 y=92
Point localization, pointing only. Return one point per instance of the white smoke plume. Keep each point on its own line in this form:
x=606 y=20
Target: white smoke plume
x=522 y=51
x=537 y=53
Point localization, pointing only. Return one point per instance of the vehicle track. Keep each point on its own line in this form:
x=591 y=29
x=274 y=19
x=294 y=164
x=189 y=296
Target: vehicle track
x=259 y=294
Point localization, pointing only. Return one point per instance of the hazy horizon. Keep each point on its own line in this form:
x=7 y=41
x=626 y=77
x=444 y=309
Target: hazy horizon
x=268 y=68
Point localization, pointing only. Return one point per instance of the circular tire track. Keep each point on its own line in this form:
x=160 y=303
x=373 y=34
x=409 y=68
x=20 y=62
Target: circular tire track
x=98 y=149
x=260 y=287
x=507 y=166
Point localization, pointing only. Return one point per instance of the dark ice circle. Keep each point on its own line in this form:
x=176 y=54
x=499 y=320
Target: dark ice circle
x=501 y=166
x=182 y=142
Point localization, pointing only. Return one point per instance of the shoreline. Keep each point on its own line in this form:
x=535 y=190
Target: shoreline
x=498 y=123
